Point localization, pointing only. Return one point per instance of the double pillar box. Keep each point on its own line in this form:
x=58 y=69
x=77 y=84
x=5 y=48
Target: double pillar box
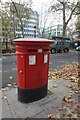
x=32 y=66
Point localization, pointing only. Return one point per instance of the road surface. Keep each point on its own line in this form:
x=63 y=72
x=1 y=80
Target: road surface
x=9 y=67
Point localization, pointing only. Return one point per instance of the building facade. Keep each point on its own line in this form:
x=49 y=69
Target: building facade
x=31 y=26
x=25 y=21
x=53 y=31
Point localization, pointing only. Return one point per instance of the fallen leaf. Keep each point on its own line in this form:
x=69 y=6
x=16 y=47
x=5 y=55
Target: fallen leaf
x=73 y=78
x=55 y=86
x=14 y=83
x=68 y=72
x=60 y=108
x=68 y=112
x=4 y=97
x=7 y=88
x=75 y=102
x=69 y=86
x=71 y=100
x=78 y=110
x=10 y=77
x=68 y=105
x=74 y=116
x=74 y=106
x=9 y=85
x=64 y=105
x=67 y=97
x=57 y=116
x=76 y=91
x=3 y=89
x=51 y=116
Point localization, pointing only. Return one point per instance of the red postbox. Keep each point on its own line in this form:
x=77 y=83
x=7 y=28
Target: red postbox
x=32 y=65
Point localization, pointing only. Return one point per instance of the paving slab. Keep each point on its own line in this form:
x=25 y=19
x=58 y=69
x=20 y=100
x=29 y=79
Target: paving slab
x=46 y=99
x=0 y=105
x=18 y=109
x=13 y=97
x=6 y=113
x=52 y=106
x=61 y=87
x=41 y=115
x=12 y=108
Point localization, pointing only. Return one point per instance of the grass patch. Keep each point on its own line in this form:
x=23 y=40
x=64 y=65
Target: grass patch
x=50 y=93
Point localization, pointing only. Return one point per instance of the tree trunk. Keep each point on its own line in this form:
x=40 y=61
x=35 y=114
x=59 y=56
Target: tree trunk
x=64 y=29
x=43 y=33
x=64 y=20
x=23 y=32
x=6 y=46
x=22 y=28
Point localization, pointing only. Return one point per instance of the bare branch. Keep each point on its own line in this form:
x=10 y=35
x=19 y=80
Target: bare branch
x=71 y=13
x=56 y=7
x=20 y=12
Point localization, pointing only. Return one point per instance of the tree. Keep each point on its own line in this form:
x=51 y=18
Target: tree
x=45 y=21
x=12 y=15
x=78 y=19
x=67 y=8
x=6 y=24
x=45 y=12
x=78 y=27
x=21 y=11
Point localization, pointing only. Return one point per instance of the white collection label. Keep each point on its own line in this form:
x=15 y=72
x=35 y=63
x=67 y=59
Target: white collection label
x=32 y=60
x=45 y=58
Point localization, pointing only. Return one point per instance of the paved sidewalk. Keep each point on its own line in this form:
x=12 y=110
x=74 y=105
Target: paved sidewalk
x=51 y=104
x=8 y=54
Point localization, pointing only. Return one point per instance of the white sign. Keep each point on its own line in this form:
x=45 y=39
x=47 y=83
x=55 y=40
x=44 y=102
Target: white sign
x=45 y=58
x=32 y=60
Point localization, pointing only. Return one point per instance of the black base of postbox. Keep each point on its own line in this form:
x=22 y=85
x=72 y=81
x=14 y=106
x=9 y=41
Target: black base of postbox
x=27 y=96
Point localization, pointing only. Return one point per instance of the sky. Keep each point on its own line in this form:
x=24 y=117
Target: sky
x=41 y=6
x=36 y=3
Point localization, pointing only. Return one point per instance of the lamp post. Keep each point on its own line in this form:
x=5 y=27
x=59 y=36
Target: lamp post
x=35 y=31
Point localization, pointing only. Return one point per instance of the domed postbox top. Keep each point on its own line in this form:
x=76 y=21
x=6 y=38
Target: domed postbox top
x=31 y=40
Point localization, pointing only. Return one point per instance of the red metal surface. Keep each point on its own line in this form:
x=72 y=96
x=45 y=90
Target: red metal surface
x=31 y=76
x=37 y=74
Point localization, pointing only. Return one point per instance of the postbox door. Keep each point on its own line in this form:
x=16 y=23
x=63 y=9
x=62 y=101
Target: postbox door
x=21 y=70
x=42 y=68
x=36 y=70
